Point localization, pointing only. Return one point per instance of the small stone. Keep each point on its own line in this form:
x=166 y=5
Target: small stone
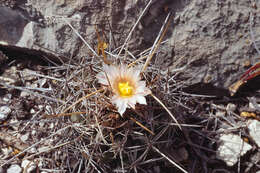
x=14 y=169
x=27 y=74
x=231 y=147
x=51 y=126
x=32 y=111
x=7 y=97
x=24 y=94
x=32 y=150
x=24 y=137
x=40 y=107
x=3 y=117
x=29 y=166
x=41 y=124
x=231 y=107
x=33 y=132
x=254 y=131
x=4 y=112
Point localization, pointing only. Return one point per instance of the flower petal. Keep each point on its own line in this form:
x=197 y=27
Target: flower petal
x=122 y=108
x=120 y=103
x=141 y=99
x=131 y=102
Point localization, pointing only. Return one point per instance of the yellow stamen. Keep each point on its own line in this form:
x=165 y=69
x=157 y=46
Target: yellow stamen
x=125 y=90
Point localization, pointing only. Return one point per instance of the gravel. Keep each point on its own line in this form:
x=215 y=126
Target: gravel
x=231 y=148
x=14 y=169
x=4 y=112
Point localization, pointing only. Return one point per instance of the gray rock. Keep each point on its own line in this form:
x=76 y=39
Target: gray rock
x=41 y=24
x=24 y=137
x=231 y=107
x=231 y=148
x=29 y=166
x=214 y=42
x=211 y=43
x=33 y=150
x=7 y=97
x=254 y=131
x=3 y=117
x=14 y=169
x=4 y=112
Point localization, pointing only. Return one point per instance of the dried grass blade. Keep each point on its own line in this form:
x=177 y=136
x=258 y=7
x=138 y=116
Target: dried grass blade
x=83 y=98
x=139 y=124
x=163 y=155
x=159 y=101
x=131 y=31
x=158 y=41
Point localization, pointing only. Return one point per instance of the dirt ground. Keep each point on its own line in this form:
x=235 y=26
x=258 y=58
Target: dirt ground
x=51 y=52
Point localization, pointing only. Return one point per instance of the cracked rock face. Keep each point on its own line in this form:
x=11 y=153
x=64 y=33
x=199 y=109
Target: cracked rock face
x=212 y=42
x=44 y=24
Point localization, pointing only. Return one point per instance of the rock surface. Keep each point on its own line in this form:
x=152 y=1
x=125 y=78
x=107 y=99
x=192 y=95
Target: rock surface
x=254 y=131
x=231 y=148
x=215 y=42
x=14 y=169
x=29 y=166
x=4 y=112
x=228 y=38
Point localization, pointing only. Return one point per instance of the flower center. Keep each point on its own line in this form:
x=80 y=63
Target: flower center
x=125 y=90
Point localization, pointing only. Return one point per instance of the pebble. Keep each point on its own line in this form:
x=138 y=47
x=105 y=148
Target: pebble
x=231 y=148
x=14 y=169
x=254 y=131
x=4 y=112
x=51 y=126
x=7 y=97
x=32 y=150
x=24 y=94
x=3 y=117
x=41 y=124
x=33 y=132
x=231 y=107
x=24 y=137
x=28 y=165
x=32 y=111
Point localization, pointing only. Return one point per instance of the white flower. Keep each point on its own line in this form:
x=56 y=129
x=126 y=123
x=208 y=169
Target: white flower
x=126 y=85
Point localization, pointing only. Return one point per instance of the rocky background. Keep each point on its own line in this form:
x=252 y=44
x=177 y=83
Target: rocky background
x=208 y=46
